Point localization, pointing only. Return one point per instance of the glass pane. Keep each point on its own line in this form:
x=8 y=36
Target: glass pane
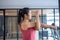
x=11 y=12
x=56 y=12
x=57 y=17
x=48 y=18
x=57 y=23
x=1 y=13
x=50 y=21
x=1 y=25
x=11 y=25
x=48 y=12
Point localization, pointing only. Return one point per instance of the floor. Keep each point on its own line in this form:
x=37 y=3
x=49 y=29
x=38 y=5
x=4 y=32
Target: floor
x=49 y=38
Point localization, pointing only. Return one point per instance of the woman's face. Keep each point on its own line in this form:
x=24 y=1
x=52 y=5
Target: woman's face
x=29 y=15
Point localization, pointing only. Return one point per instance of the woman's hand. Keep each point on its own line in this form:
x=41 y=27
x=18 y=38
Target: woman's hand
x=36 y=13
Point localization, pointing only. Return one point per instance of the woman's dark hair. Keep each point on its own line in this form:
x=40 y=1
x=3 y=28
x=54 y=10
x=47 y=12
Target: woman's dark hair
x=21 y=14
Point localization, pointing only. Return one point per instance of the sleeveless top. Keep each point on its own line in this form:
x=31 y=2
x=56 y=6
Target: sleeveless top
x=28 y=34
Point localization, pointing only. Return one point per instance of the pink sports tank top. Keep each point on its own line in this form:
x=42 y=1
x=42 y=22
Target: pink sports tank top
x=28 y=34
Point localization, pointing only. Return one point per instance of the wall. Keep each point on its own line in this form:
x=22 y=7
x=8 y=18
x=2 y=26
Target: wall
x=29 y=3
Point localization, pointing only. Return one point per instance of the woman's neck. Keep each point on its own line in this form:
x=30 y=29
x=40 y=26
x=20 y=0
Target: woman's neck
x=25 y=20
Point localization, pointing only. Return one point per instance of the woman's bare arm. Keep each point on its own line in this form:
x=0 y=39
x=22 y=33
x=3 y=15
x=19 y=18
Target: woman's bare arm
x=48 y=26
x=37 y=23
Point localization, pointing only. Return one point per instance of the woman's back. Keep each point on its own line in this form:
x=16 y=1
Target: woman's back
x=28 y=34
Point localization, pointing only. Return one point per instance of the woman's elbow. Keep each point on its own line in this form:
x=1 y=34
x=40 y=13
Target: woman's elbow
x=37 y=28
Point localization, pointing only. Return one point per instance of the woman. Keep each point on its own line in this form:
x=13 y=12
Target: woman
x=27 y=27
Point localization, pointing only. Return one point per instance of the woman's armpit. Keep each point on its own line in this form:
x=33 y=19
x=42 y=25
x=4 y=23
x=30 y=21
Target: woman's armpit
x=23 y=27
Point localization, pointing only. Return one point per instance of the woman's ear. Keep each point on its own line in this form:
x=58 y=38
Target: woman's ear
x=25 y=15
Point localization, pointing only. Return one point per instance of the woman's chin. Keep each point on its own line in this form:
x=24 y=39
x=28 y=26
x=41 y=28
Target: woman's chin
x=30 y=20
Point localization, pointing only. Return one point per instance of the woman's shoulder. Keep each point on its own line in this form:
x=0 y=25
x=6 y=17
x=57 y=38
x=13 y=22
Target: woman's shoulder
x=23 y=26
x=33 y=23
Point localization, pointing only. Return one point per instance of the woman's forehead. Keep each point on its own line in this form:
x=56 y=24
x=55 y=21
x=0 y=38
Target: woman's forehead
x=30 y=12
